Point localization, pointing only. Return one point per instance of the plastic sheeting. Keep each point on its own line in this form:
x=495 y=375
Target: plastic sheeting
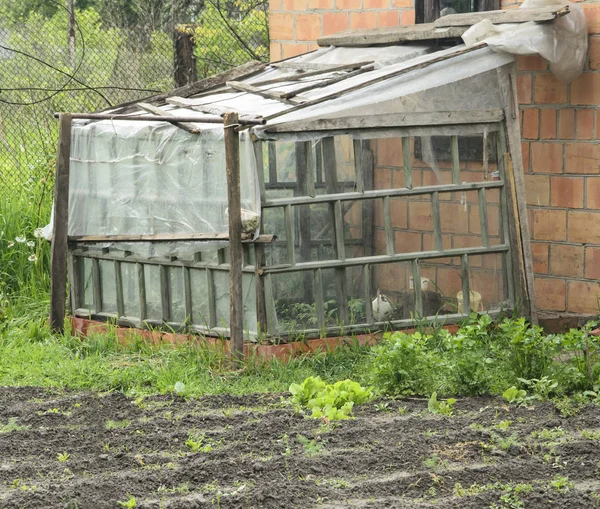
x=132 y=178
x=563 y=43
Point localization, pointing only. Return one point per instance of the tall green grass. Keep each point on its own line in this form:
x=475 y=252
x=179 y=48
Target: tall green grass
x=24 y=255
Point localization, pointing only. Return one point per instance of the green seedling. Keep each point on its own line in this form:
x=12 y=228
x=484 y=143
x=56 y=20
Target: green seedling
x=561 y=484
x=129 y=503
x=311 y=447
x=110 y=424
x=63 y=457
x=434 y=462
x=440 y=407
x=199 y=443
x=12 y=425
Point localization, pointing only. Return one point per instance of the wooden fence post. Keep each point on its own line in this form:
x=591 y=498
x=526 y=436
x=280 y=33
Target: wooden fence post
x=186 y=71
x=232 y=158
x=58 y=255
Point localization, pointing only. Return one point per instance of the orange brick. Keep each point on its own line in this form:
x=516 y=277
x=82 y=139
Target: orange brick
x=389 y=152
x=584 y=227
x=548 y=124
x=548 y=90
x=566 y=124
x=566 y=260
x=549 y=224
x=585 y=124
x=586 y=89
x=550 y=294
x=583 y=297
x=308 y=27
x=382 y=178
x=567 y=192
x=531 y=123
x=593 y=193
x=274 y=5
x=403 y=3
x=407 y=242
x=275 y=51
x=334 y=22
x=388 y=19
x=294 y=5
x=376 y=4
x=448 y=280
x=594 y=43
x=546 y=157
x=348 y=4
x=524 y=88
x=290 y=49
x=321 y=4
x=407 y=17
x=363 y=19
x=582 y=158
x=419 y=216
x=539 y=256
x=454 y=218
x=281 y=26
x=537 y=190
x=592 y=14
x=592 y=262
x=525 y=149
x=531 y=63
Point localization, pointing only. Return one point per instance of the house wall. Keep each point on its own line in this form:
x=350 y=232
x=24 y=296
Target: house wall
x=560 y=126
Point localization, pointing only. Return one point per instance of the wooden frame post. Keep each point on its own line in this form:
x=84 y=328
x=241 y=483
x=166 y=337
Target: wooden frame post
x=58 y=255
x=232 y=159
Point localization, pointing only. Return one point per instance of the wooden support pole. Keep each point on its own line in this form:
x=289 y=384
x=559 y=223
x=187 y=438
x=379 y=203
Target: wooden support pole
x=185 y=60
x=58 y=256
x=232 y=159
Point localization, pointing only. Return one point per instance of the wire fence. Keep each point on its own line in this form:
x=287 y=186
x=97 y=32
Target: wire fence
x=58 y=62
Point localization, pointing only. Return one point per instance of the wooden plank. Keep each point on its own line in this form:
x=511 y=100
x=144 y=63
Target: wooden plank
x=389 y=233
x=406 y=154
x=319 y=298
x=309 y=74
x=324 y=83
x=243 y=71
x=187 y=292
x=267 y=94
x=377 y=259
x=290 y=233
x=483 y=218
x=381 y=193
x=260 y=168
x=464 y=275
x=272 y=148
x=165 y=293
x=142 y=291
x=341 y=293
x=75 y=280
x=170 y=237
x=436 y=217
x=522 y=261
x=504 y=230
x=190 y=128
x=366 y=281
x=119 y=289
x=339 y=231
x=60 y=225
x=416 y=274
x=316 y=66
x=430 y=118
x=430 y=60
x=259 y=282
x=232 y=166
x=391 y=35
x=368 y=216
x=213 y=109
x=538 y=14
x=455 y=160
x=358 y=166
x=96 y=285
x=304 y=240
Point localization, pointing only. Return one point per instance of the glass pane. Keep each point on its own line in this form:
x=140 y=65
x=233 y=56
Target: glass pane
x=131 y=295
x=109 y=291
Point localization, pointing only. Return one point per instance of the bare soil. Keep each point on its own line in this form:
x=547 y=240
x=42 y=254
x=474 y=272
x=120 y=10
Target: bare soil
x=264 y=455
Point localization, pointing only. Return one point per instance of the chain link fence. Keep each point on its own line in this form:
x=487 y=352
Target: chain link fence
x=90 y=61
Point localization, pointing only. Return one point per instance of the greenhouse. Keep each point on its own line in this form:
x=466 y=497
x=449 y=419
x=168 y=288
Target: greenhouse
x=381 y=184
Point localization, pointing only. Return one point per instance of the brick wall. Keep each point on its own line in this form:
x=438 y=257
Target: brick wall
x=560 y=126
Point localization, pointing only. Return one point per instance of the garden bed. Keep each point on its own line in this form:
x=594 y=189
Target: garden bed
x=82 y=449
